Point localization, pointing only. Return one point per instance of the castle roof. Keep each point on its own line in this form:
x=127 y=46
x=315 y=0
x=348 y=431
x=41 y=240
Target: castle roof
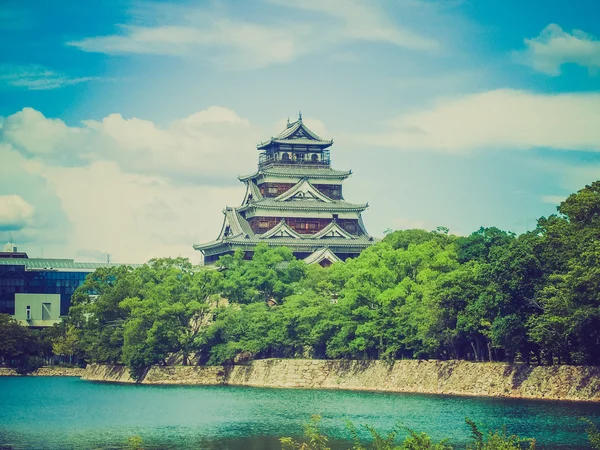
x=320 y=255
x=306 y=205
x=236 y=232
x=296 y=133
x=298 y=172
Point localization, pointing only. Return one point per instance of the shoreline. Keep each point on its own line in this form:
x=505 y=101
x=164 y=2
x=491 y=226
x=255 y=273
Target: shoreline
x=500 y=380
x=45 y=371
x=462 y=378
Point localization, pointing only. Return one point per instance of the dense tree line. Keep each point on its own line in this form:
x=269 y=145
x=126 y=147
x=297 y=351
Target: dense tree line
x=490 y=296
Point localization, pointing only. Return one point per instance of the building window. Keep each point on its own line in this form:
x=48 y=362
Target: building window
x=28 y=312
x=311 y=226
x=314 y=157
x=285 y=156
x=263 y=224
x=273 y=190
x=299 y=156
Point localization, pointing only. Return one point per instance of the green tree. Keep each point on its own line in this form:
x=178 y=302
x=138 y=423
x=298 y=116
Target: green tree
x=165 y=316
x=96 y=312
x=269 y=276
x=66 y=342
x=21 y=347
x=568 y=323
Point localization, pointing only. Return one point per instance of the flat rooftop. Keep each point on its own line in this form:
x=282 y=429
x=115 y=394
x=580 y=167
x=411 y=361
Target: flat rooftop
x=57 y=264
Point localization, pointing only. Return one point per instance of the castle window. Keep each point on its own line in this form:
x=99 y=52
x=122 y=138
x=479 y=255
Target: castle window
x=263 y=224
x=307 y=226
x=285 y=156
x=314 y=157
x=273 y=190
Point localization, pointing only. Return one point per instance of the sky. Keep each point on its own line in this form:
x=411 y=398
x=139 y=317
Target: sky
x=124 y=124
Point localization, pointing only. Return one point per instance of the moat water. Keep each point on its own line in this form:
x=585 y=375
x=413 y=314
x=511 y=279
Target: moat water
x=68 y=413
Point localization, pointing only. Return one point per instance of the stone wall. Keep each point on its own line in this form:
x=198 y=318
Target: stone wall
x=49 y=371
x=430 y=377
x=195 y=375
x=192 y=375
x=108 y=373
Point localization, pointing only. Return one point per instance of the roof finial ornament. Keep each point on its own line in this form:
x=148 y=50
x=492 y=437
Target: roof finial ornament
x=288 y=124
x=300 y=116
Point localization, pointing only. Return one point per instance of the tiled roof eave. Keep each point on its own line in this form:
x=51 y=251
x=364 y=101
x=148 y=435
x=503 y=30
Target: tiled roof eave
x=291 y=242
x=302 y=142
x=289 y=206
x=296 y=173
x=208 y=245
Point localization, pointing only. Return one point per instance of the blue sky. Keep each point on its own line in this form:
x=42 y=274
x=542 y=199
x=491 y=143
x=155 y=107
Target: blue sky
x=123 y=125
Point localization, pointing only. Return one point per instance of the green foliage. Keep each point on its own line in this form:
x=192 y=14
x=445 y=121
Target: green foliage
x=65 y=339
x=567 y=320
x=140 y=317
x=314 y=439
x=22 y=347
x=95 y=310
x=135 y=443
x=422 y=441
x=593 y=434
x=413 y=440
x=492 y=440
x=496 y=440
x=270 y=275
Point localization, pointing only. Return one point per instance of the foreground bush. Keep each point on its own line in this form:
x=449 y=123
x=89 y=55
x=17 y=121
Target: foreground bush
x=491 y=440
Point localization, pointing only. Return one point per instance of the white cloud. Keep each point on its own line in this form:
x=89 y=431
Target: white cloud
x=500 y=119
x=141 y=191
x=206 y=147
x=226 y=43
x=248 y=45
x=242 y=43
x=48 y=225
x=554 y=47
x=35 y=77
x=15 y=213
x=365 y=21
x=32 y=133
x=136 y=217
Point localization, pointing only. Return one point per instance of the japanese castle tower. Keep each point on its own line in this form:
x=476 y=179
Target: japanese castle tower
x=295 y=200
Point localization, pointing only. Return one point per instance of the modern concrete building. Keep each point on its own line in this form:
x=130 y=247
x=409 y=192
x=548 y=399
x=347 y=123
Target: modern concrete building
x=37 y=291
x=37 y=310
x=295 y=200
